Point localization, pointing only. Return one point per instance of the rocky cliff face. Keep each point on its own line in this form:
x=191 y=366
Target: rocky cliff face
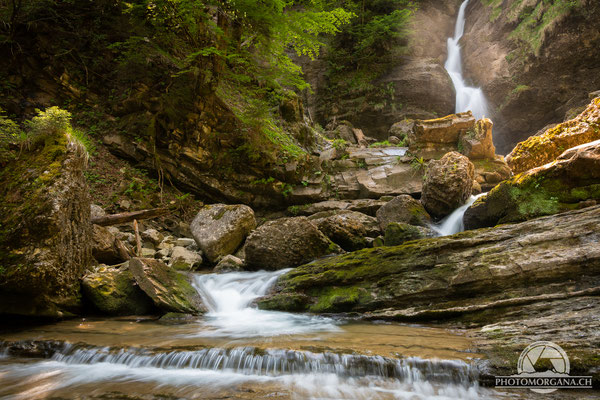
x=414 y=86
x=45 y=230
x=535 y=60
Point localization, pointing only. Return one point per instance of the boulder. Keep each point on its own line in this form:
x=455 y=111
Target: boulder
x=477 y=143
x=365 y=206
x=184 y=259
x=153 y=236
x=572 y=181
x=539 y=150
x=448 y=184
x=401 y=129
x=113 y=291
x=286 y=243
x=442 y=278
x=348 y=229
x=441 y=131
x=169 y=290
x=45 y=229
x=403 y=209
x=220 y=229
x=229 y=264
x=96 y=211
x=398 y=233
x=343 y=131
x=107 y=249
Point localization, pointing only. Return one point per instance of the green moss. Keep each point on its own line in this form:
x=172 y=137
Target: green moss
x=398 y=233
x=338 y=299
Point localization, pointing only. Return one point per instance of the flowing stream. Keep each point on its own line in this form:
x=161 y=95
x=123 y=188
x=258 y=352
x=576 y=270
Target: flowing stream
x=467 y=98
x=236 y=351
x=453 y=223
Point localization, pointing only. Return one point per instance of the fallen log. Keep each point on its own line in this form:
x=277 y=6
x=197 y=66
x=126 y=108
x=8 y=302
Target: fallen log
x=122 y=218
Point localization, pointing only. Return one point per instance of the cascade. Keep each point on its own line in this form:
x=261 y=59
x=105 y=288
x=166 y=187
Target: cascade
x=467 y=98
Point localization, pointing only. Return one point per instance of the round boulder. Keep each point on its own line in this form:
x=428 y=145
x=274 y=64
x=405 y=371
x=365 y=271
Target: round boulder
x=349 y=229
x=286 y=243
x=448 y=184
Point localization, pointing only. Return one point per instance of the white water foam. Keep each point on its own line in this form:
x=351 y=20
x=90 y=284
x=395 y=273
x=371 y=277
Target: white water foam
x=229 y=299
x=467 y=98
x=453 y=223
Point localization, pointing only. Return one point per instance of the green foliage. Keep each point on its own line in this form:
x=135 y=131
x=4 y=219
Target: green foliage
x=384 y=143
x=376 y=36
x=10 y=133
x=339 y=144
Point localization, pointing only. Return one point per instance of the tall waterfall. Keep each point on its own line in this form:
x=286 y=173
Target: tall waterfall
x=467 y=98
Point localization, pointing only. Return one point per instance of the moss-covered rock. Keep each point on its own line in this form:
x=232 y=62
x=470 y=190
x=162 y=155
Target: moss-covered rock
x=398 y=233
x=45 y=230
x=539 y=150
x=572 y=181
x=451 y=275
x=170 y=290
x=113 y=291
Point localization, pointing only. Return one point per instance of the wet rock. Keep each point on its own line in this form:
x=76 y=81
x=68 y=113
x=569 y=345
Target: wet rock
x=220 y=229
x=565 y=184
x=107 y=249
x=441 y=278
x=539 y=150
x=286 y=243
x=45 y=229
x=173 y=318
x=448 y=184
x=184 y=259
x=398 y=233
x=477 y=143
x=348 y=229
x=229 y=263
x=404 y=209
x=113 y=291
x=170 y=290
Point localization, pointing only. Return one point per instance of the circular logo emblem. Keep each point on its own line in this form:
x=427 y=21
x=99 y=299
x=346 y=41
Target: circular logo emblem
x=543 y=359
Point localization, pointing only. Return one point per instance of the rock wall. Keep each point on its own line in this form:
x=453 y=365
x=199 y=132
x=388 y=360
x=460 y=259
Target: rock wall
x=416 y=85
x=45 y=236
x=535 y=60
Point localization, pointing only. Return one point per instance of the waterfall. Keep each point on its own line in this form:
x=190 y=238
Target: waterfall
x=467 y=98
x=229 y=299
x=453 y=223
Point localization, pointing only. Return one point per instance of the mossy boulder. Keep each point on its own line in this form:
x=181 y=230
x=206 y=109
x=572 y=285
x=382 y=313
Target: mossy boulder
x=404 y=209
x=446 y=277
x=570 y=182
x=171 y=291
x=398 y=233
x=45 y=229
x=113 y=291
x=539 y=150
